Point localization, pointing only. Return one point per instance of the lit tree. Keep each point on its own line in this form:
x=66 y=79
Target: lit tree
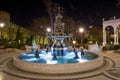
x=4 y=16
x=77 y=34
x=95 y=34
x=38 y=27
x=52 y=9
x=70 y=25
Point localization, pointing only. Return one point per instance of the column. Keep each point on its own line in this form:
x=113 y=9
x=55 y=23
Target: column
x=104 y=36
x=115 y=36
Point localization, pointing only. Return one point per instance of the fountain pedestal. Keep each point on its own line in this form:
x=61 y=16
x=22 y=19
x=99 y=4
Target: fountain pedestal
x=58 y=45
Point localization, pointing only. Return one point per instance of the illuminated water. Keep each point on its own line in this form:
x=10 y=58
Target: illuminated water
x=46 y=58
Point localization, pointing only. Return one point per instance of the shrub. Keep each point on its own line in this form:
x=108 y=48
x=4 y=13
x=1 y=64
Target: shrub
x=105 y=48
x=86 y=46
x=116 y=47
x=22 y=47
x=111 y=47
x=14 y=44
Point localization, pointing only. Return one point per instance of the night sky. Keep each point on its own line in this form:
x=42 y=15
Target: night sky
x=90 y=12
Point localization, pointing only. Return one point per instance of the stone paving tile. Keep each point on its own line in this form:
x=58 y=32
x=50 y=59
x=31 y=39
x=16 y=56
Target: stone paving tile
x=112 y=73
x=100 y=77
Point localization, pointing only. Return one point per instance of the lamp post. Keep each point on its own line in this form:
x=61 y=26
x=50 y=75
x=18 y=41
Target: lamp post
x=74 y=42
x=1 y=26
x=48 y=30
x=81 y=30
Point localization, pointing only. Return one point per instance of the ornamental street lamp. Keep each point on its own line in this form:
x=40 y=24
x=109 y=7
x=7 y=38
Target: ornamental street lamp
x=1 y=26
x=74 y=42
x=81 y=30
x=48 y=30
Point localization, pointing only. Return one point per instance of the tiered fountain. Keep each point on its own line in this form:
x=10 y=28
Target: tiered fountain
x=64 y=67
x=58 y=36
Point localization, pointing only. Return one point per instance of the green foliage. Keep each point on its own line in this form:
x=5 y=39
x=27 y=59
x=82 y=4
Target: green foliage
x=13 y=44
x=86 y=46
x=19 y=35
x=116 y=47
x=111 y=47
x=3 y=41
x=95 y=34
x=29 y=42
x=105 y=48
x=4 y=16
x=39 y=25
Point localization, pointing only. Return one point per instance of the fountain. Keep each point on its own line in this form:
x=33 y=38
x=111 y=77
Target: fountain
x=58 y=36
x=60 y=61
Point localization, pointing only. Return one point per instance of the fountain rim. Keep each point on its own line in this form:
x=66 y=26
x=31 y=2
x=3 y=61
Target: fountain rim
x=57 y=68
x=17 y=57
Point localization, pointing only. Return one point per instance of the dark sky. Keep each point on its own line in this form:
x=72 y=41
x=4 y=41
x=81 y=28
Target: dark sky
x=90 y=12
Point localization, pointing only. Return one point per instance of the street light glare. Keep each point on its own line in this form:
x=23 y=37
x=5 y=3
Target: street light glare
x=48 y=29
x=74 y=41
x=81 y=30
x=2 y=25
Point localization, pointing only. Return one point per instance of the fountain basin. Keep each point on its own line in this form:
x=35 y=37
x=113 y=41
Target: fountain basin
x=58 y=68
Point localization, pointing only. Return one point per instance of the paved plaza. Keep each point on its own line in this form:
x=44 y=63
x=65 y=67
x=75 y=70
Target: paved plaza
x=109 y=71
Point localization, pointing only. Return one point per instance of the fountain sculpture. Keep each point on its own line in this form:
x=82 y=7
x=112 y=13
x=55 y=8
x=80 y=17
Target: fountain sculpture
x=59 y=63
x=59 y=36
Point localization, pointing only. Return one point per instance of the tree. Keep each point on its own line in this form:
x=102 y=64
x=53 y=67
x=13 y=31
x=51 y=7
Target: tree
x=38 y=28
x=39 y=25
x=52 y=9
x=69 y=25
x=4 y=16
x=18 y=35
x=95 y=34
x=118 y=3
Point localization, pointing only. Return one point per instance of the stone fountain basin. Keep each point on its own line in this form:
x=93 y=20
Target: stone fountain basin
x=58 y=68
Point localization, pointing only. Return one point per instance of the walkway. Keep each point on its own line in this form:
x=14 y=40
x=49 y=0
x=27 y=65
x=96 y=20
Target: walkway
x=109 y=71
